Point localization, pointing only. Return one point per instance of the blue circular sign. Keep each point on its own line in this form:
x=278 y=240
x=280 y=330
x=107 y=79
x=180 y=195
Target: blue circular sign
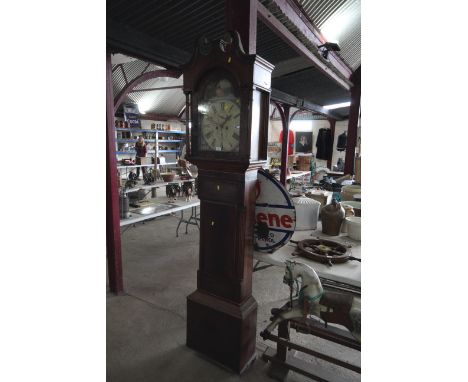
x=275 y=214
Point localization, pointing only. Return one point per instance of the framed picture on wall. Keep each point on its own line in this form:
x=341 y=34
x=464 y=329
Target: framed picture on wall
x=304 y=142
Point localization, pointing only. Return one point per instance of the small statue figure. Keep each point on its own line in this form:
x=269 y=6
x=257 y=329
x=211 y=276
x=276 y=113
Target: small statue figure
x=312 y=299
x=148 y=178
x=132 y=176
x=177 y=189
x=171 y=192
x=187 y=191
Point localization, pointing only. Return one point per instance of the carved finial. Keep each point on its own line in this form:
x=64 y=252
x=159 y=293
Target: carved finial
x=204 y=45
x=230 y=41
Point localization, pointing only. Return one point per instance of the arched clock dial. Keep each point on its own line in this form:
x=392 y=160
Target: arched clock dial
x=220 y=125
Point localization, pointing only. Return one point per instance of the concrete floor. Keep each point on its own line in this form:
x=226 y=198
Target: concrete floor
x=146 y=326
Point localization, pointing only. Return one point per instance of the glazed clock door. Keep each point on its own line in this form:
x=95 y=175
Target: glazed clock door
x=219 y=116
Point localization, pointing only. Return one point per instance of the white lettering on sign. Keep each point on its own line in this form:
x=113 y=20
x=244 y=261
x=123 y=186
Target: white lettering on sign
x=274 y=220
x=275 y=215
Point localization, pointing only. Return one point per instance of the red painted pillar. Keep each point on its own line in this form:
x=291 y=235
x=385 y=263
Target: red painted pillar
x=284 y=113
x=353 y=121
x=332 y=130
x=241 y=16
x=114 y=250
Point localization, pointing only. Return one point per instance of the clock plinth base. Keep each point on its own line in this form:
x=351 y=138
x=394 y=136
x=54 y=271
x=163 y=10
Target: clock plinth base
x=221 y=330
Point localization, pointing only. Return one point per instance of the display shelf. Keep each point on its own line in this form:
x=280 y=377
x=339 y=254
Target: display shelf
x=126 y=140
x=170 y=131
x=136 y=130
x=135 y=166
x=124 y=143
x=132 y=152
x=144 y=165
x=150 y=131
x=157 y=184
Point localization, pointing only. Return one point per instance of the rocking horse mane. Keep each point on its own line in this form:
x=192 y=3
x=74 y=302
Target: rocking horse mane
x=302 y=265
x=302 y=270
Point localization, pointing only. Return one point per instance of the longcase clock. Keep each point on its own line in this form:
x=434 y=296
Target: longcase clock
x=228 y=96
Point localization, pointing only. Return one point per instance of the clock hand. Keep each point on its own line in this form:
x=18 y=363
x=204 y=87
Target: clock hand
x=226 y=120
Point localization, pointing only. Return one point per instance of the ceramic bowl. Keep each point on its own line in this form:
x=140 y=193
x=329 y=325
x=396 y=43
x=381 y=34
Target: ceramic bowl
x=356 y=206
x=353 y=224
x=168 y=176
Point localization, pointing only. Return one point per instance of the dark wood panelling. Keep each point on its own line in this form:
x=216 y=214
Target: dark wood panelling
x=222 y=330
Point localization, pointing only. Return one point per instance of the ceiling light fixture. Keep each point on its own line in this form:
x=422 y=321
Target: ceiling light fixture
x=337 y=105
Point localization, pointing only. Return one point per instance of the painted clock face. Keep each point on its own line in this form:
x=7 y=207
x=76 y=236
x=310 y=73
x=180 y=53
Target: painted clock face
x=219 y=118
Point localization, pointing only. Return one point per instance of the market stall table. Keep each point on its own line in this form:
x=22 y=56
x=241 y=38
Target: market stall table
x=163 y=207
x=347 y=273
x=297 y=174
x=342 y=277
x=298 y=178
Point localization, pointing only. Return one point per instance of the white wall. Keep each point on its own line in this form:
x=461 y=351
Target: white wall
x=314 y=126
x=340 y=127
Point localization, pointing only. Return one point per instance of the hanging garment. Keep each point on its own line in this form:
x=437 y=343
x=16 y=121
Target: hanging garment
x=324 y=144
x=341 y=143
x=290 y=141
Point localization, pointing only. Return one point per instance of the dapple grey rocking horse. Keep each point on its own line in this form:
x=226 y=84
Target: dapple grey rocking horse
x=311 y=299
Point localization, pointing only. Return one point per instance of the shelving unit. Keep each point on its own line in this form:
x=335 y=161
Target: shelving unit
x=160 y=143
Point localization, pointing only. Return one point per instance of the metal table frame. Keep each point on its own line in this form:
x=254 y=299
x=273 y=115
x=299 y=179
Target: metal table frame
x=193 y=219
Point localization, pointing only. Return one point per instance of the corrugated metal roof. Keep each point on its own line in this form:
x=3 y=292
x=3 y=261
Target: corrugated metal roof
x=338 y=20
x=179 y=23
x=271 y=47
x=132 y=70
x=311 y=85
x=165 y=102
x=176 y=22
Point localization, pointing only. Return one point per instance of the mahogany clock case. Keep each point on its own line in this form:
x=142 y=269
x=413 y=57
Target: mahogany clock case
x=221 y=313
x=250 y=76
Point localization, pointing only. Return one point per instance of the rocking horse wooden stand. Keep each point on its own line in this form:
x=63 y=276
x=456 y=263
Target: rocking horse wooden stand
x=309 y=312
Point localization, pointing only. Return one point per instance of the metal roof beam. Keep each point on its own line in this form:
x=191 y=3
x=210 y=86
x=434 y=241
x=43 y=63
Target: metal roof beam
x=154 y=89
x=338 y=74
x=285 y=98
x=294 y=12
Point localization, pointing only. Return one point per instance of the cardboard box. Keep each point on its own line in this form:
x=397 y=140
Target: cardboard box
x=303 y=162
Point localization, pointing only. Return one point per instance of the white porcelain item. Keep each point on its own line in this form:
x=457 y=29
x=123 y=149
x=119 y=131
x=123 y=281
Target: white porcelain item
x=349 y=211
x=307 y=212
x=354 y=227
x=352 y=203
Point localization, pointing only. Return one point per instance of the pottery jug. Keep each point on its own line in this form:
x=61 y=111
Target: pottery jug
x=332 y=216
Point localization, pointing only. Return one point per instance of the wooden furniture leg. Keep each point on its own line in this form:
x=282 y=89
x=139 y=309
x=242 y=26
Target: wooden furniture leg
x=276 y=370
